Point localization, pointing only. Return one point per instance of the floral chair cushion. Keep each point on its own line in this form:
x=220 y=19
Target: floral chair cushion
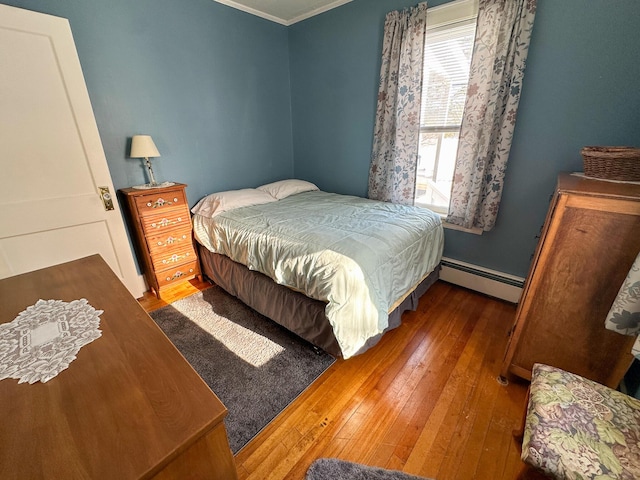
x=578 y=429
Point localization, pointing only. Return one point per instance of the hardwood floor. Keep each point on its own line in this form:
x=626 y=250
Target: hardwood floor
x=425 y=400
x=150 y=302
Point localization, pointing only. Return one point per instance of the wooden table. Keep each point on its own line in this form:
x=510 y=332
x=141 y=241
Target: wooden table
x=129 y=406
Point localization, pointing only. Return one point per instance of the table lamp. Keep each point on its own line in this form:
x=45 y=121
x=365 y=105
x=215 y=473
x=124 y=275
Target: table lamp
x=142 y=146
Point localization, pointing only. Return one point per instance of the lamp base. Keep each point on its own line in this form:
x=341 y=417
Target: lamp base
x=148 y=186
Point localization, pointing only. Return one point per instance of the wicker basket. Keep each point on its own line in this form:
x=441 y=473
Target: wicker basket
x=612 y=163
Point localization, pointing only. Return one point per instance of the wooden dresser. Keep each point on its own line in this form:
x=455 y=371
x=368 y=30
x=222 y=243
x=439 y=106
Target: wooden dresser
x=128 y=407
x=161 y=224
x=589 y=241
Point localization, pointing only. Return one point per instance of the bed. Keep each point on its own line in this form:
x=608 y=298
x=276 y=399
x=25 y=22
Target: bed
x=337 y=270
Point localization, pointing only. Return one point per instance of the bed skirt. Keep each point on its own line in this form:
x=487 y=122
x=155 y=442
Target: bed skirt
x=293 y=310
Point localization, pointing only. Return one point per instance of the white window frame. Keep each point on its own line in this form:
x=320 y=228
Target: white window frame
x=452 y=12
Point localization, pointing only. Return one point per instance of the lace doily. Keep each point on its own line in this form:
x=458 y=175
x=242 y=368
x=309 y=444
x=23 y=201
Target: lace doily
x=44 y=339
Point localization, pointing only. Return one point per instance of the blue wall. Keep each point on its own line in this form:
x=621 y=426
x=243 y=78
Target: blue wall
x=231 y=99
x=209 y=83
x=581 y=88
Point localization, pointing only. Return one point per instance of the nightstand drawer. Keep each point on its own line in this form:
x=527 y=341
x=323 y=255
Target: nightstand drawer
x=173 y=237
x=173 y=256
x=156 y=203
x=178 y=273
x=172 y=221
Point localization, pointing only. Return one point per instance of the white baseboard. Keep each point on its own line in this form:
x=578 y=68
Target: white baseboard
x=490 y=282
x=141 y=287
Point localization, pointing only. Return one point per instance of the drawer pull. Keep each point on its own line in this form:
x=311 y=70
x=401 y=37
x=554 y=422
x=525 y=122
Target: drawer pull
x=178 y=274
x=174 y=258
x=165 y=223
x=162 y=223
x=171 y=240
x=161 y=202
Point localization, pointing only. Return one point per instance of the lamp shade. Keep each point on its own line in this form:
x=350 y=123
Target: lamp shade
x=142 y=146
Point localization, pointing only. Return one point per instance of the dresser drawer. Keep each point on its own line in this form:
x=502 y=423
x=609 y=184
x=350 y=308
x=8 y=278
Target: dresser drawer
x=171 y=221
x=160 y=202
x=172 y=256
x=178 y=273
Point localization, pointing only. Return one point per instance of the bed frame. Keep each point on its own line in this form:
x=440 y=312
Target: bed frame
x=293 y=310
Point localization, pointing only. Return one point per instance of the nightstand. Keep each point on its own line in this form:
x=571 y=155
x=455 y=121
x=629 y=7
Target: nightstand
x=161 y=225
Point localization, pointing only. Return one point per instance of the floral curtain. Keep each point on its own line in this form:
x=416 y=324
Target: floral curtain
x=624 y=316
x=497 y=69
x=394 y=159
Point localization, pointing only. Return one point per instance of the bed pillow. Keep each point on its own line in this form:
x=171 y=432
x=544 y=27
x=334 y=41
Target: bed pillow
x=284 y=188
x=216 y=203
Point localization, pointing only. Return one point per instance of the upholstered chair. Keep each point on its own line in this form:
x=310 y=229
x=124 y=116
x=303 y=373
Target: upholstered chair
x=575 y=428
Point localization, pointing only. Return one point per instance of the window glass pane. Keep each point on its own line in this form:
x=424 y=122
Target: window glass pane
x=446 y=74
x=447 y=60
x=437 y=155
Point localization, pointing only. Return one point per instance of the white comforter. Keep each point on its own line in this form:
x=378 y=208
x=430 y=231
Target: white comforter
x=360 y=256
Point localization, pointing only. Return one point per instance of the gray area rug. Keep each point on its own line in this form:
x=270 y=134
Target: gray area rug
x=334 y=469
x=253 y=365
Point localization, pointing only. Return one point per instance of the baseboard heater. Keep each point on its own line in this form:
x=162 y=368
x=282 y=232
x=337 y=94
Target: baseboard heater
x=490 y=282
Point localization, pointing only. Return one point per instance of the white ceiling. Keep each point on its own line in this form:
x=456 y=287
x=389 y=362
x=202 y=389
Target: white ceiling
x=285 y=12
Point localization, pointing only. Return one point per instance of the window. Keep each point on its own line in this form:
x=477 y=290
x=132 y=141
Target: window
x=447 y=57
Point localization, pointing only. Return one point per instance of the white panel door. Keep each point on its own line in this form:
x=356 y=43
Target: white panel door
x=51 y=158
